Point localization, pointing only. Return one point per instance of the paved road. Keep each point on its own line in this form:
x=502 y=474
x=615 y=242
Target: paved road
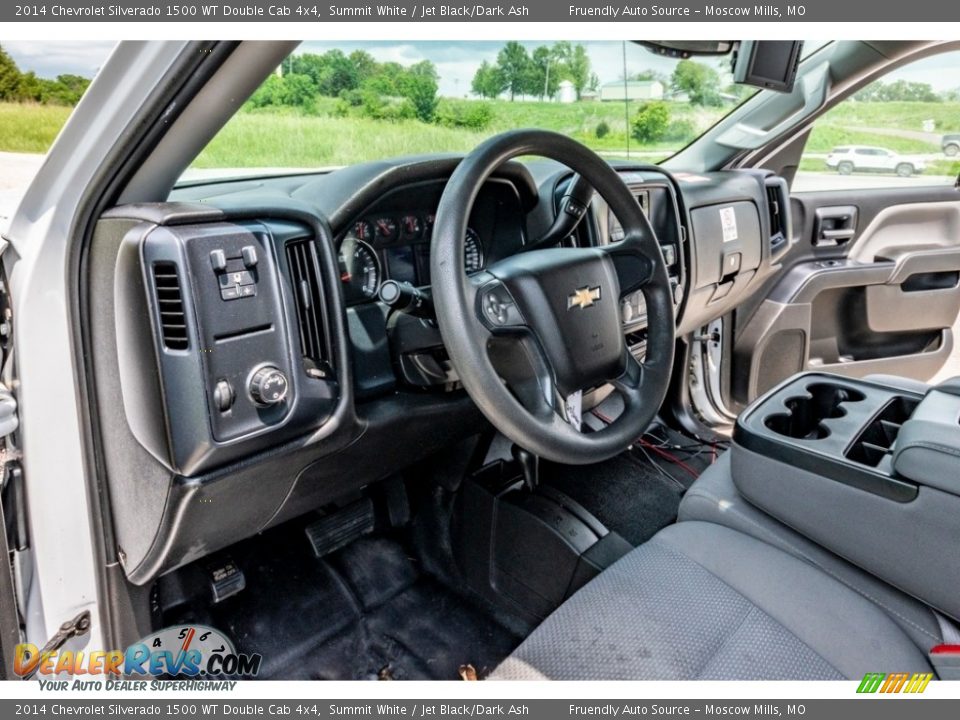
x=16 y=172
x=816 y=181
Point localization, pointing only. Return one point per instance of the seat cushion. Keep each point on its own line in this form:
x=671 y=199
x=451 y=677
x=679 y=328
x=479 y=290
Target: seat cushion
x=714 y=498
x=701 y=601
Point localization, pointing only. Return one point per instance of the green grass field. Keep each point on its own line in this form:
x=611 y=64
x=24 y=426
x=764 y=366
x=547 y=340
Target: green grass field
x=318 y=138
x=30 y=128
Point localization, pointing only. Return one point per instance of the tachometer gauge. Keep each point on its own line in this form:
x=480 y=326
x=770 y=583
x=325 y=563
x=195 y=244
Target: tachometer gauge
x=411 y=227
x=472 y=251
x=363 y=230
x=359 y=270
x=387 y=229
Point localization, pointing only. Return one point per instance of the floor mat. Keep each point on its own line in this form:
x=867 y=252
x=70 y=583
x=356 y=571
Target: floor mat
x=627 y=494
x=365 y=612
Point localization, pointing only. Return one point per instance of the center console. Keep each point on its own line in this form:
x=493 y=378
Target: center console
x=868 y=471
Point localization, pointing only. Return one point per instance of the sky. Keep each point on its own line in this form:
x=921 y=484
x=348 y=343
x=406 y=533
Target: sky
x=456 y=62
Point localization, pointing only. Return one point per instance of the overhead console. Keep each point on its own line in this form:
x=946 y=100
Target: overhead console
x=224 y=337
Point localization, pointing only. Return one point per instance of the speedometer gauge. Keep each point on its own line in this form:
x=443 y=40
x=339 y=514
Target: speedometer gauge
x=472 y=251
x=359 y=270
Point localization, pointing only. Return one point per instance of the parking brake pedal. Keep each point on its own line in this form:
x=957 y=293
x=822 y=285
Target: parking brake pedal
x=341 y=528
x=226 y=579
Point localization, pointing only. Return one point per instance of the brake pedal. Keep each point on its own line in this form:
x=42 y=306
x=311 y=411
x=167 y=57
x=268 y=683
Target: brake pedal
x=341 y=528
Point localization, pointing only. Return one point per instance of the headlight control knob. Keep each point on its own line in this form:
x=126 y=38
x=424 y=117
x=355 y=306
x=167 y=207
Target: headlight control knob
x=269 y=386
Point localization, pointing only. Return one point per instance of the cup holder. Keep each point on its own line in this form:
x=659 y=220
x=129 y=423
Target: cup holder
x=805 y=414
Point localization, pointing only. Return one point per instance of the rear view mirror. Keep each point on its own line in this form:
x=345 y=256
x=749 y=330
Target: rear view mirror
x=683 y=49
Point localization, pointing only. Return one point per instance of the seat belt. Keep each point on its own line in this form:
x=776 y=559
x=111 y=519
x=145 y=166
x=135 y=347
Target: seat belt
x=945 y=657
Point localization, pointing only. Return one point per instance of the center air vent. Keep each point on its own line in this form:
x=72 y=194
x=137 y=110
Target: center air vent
x=306 y=288
x=173 y=320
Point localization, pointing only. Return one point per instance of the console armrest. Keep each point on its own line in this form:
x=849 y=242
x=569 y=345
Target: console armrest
x=928 y=446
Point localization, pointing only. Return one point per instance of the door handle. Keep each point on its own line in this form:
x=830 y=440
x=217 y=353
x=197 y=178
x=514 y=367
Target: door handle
x=837 y=236
x=834 y=226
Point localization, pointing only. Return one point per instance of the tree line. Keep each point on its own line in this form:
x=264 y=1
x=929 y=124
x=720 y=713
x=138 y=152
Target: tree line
x=517 y=72
x=17 y=86
x=380 y=89
x=904 y=91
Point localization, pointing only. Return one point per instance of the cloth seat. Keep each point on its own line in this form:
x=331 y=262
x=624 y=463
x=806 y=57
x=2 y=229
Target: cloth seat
x=701 y=601
x=714 y=498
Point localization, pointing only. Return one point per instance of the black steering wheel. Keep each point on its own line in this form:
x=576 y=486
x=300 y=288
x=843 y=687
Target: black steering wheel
x=535 y=328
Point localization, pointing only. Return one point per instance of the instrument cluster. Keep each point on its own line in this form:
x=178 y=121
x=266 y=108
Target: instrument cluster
x=394 y=247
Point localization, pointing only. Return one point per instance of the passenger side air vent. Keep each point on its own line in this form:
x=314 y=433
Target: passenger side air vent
x=778 y=207
x=173 y=319
x=306 y=289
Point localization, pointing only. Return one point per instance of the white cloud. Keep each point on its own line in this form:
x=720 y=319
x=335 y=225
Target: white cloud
x=49 y=59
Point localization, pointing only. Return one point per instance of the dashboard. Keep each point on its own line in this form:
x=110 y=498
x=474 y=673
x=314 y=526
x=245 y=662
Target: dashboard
x=246 y=358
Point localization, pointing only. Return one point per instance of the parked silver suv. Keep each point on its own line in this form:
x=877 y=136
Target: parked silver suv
x=862 y=158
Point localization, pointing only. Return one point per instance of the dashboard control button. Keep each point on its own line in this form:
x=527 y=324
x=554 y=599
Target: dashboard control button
x=218 y=259
x=249 y=253
x=669 y=254
x=269 y=386
x=223 y=395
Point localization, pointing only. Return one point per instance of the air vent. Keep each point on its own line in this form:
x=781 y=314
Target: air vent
x=173 y=320
x=778 y=208
x=306 y=289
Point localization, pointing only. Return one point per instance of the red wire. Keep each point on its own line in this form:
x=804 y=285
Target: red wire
x=660 y=451
x=672 y=458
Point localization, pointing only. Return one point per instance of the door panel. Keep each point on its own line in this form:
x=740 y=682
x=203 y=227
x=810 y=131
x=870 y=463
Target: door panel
x=871 y=284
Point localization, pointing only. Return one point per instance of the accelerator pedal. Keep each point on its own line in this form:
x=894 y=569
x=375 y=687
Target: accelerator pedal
x=341 y=528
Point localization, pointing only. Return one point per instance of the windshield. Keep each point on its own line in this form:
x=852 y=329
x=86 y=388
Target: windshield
x=335 y=104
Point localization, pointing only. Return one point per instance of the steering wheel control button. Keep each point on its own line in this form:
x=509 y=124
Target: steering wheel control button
x=249 y=255
x=218 y=260
x=223 y=395
x=499 y=309
x=575 y=209
x=269 y=386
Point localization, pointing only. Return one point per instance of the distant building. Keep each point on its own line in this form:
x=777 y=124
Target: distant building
x=632 y=90
x=566 y=92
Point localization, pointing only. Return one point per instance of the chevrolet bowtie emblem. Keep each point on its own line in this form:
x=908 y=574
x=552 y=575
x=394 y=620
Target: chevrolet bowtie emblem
x=583 y=297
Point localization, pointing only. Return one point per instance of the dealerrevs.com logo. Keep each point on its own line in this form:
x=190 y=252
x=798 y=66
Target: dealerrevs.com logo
x=183 y=651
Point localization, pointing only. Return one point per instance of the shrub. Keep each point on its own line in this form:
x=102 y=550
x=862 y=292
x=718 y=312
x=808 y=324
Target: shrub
x=651 y=121
x=469 y=114
x=602 y=129
x=681 y=131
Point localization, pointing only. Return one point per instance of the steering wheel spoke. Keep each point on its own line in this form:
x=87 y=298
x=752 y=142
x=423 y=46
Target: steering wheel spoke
x=634 y=260
x=521 y=363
